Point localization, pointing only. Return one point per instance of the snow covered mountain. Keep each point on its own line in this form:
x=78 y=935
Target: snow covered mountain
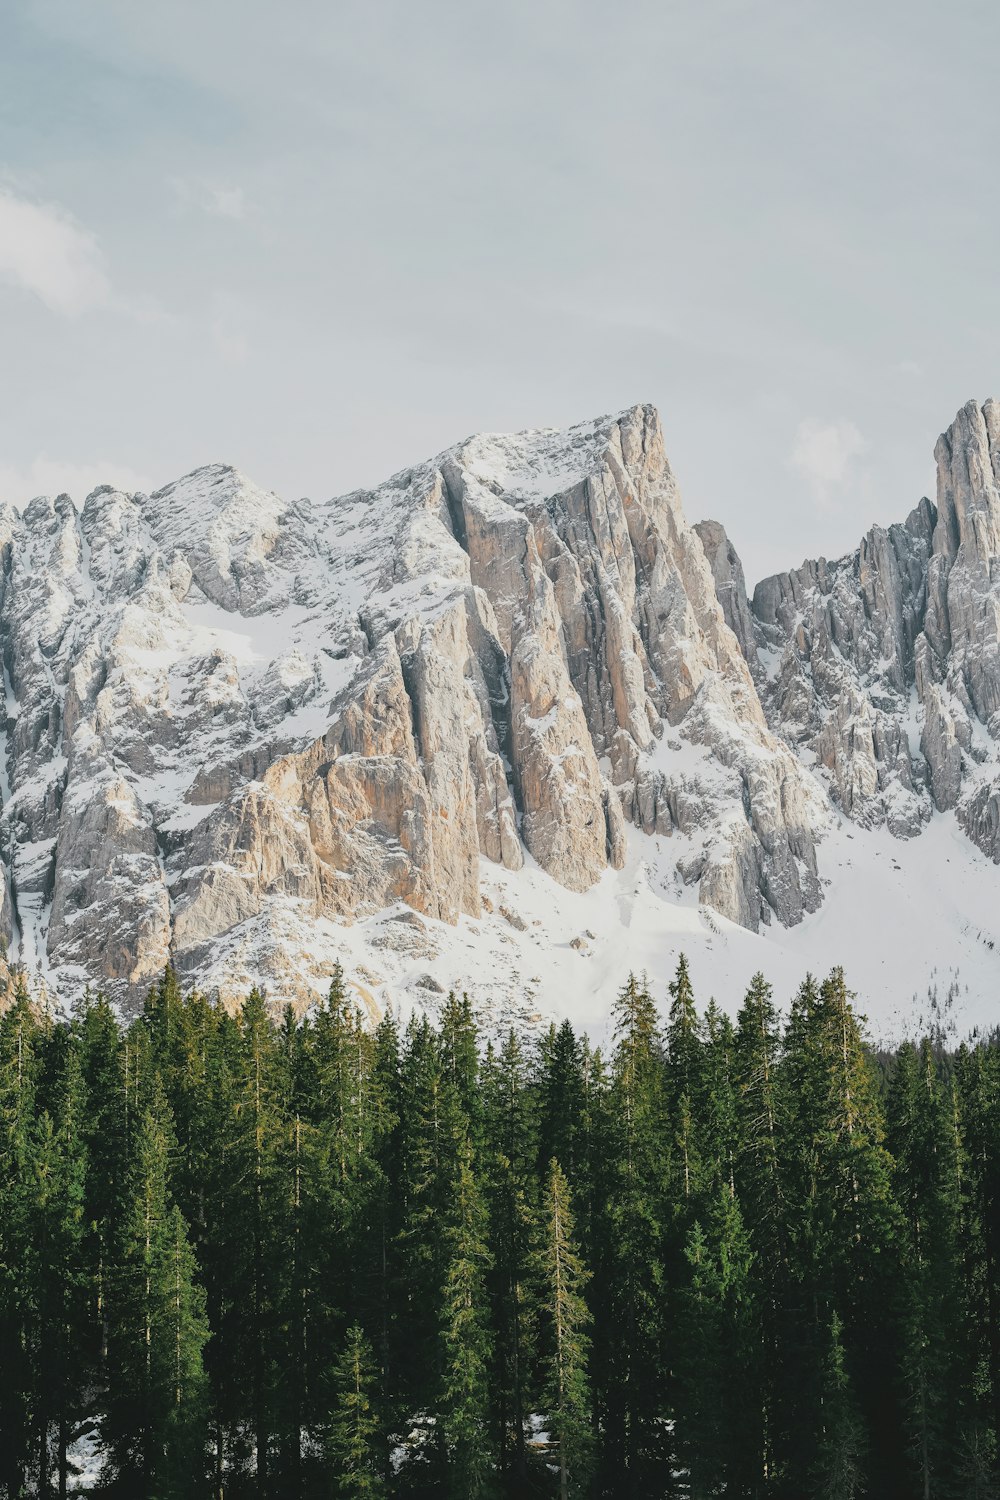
x=507 y=721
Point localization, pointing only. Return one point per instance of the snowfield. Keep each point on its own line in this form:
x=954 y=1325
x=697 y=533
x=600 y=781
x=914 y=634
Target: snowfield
x=906 y=919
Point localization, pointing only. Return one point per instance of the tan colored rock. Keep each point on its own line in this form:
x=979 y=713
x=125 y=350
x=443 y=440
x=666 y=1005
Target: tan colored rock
x=236 y=725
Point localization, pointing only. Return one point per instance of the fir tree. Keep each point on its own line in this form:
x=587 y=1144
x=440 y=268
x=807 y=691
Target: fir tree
x=839 y=1468
x=632 y=1360
x=465 y=1341
x=761 y=1193
x=511 y=1194
x=565 y=1391
x=561 y=1101
x=19 y=1066
x=354 y=1444
x=55 y=1269
x=716 y=1420
x=933 y=1324
x=153 y=1427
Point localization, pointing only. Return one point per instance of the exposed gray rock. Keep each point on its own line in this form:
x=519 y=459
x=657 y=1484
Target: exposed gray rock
x=234 y=724
x=730 y=586
x=885 y=665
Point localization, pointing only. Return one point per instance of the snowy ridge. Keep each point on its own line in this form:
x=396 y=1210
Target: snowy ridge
x=506 y=721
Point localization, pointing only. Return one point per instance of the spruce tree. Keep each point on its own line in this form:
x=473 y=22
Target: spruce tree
x=684 y=1039
x=844 y=1223
x=460 y=1060
x=932 y=1313
x=840 y=1461
x=632 y=1356
x=510 y=1183
x=761 y=1192
x=19 y=1066
x=977 y=1075
x=715 y=1412
x=463 y=1407
x=561 y=1101
x=153 y=1428
x=106 y=1132
x=565 y=1389
x=55 y=1269
x=354 y=1443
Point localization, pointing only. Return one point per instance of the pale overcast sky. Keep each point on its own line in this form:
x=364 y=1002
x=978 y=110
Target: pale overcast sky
x=324 y=240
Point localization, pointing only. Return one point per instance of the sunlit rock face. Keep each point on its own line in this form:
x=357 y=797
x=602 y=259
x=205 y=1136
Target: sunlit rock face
x=236 y=726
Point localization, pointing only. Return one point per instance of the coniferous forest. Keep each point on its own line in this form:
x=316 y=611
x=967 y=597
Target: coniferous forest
x=241 y=1257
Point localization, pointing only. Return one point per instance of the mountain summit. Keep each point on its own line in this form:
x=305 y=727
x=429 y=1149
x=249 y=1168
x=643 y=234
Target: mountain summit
x=438 y=727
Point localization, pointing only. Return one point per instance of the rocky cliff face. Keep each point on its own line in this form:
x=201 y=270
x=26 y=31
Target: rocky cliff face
x=882 y=668
x=236 y=727
x=229 y=717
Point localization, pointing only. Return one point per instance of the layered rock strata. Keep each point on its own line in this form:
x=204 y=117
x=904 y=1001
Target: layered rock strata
x=228 y=717
x=233 y=722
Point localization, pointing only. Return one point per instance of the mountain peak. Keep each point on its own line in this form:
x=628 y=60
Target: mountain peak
x=447 y=725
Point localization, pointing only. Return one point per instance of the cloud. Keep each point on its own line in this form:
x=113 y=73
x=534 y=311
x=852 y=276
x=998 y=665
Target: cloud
x=219 y=200
x=231 y=345
x=824 y=453
x=228 y=202
x=45 y=251
x=49 y=476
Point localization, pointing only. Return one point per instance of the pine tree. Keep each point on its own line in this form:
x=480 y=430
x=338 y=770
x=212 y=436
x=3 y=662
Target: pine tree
x=685 y=1094
x=844 y=1222
x=55 y=1270
x=561 y=1101
x=19 y=1066
x=631 y=1358
x=840 y=1463
x=460 y=1060
x=260 y=1266
x=153 y=1428
x=509 y=1164
x=761 y=1193
x=977 y=1075
x=565 y=1390
x=465 y=1341
x=354 y=1441
x=428 y=1116
x=720 y=1127
x=756 y=1054
x=683 y=1039
x=106 y=1133
x=933 y=1322
x=383 y=1204
x=716 y=1420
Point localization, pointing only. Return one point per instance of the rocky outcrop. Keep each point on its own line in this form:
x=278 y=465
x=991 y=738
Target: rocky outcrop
x=730 y=585
x=230 y=719
x=884 y=665
x=835 y=649
x=236 y=726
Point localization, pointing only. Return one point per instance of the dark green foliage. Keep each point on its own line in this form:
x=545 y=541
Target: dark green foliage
x=153 y=1428
x=631 y=1364
x=715 y=1406
x=353 y=1448
x=296 y=1256
x=840 y=1462
x=462 y=1403
x=565 y=1388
